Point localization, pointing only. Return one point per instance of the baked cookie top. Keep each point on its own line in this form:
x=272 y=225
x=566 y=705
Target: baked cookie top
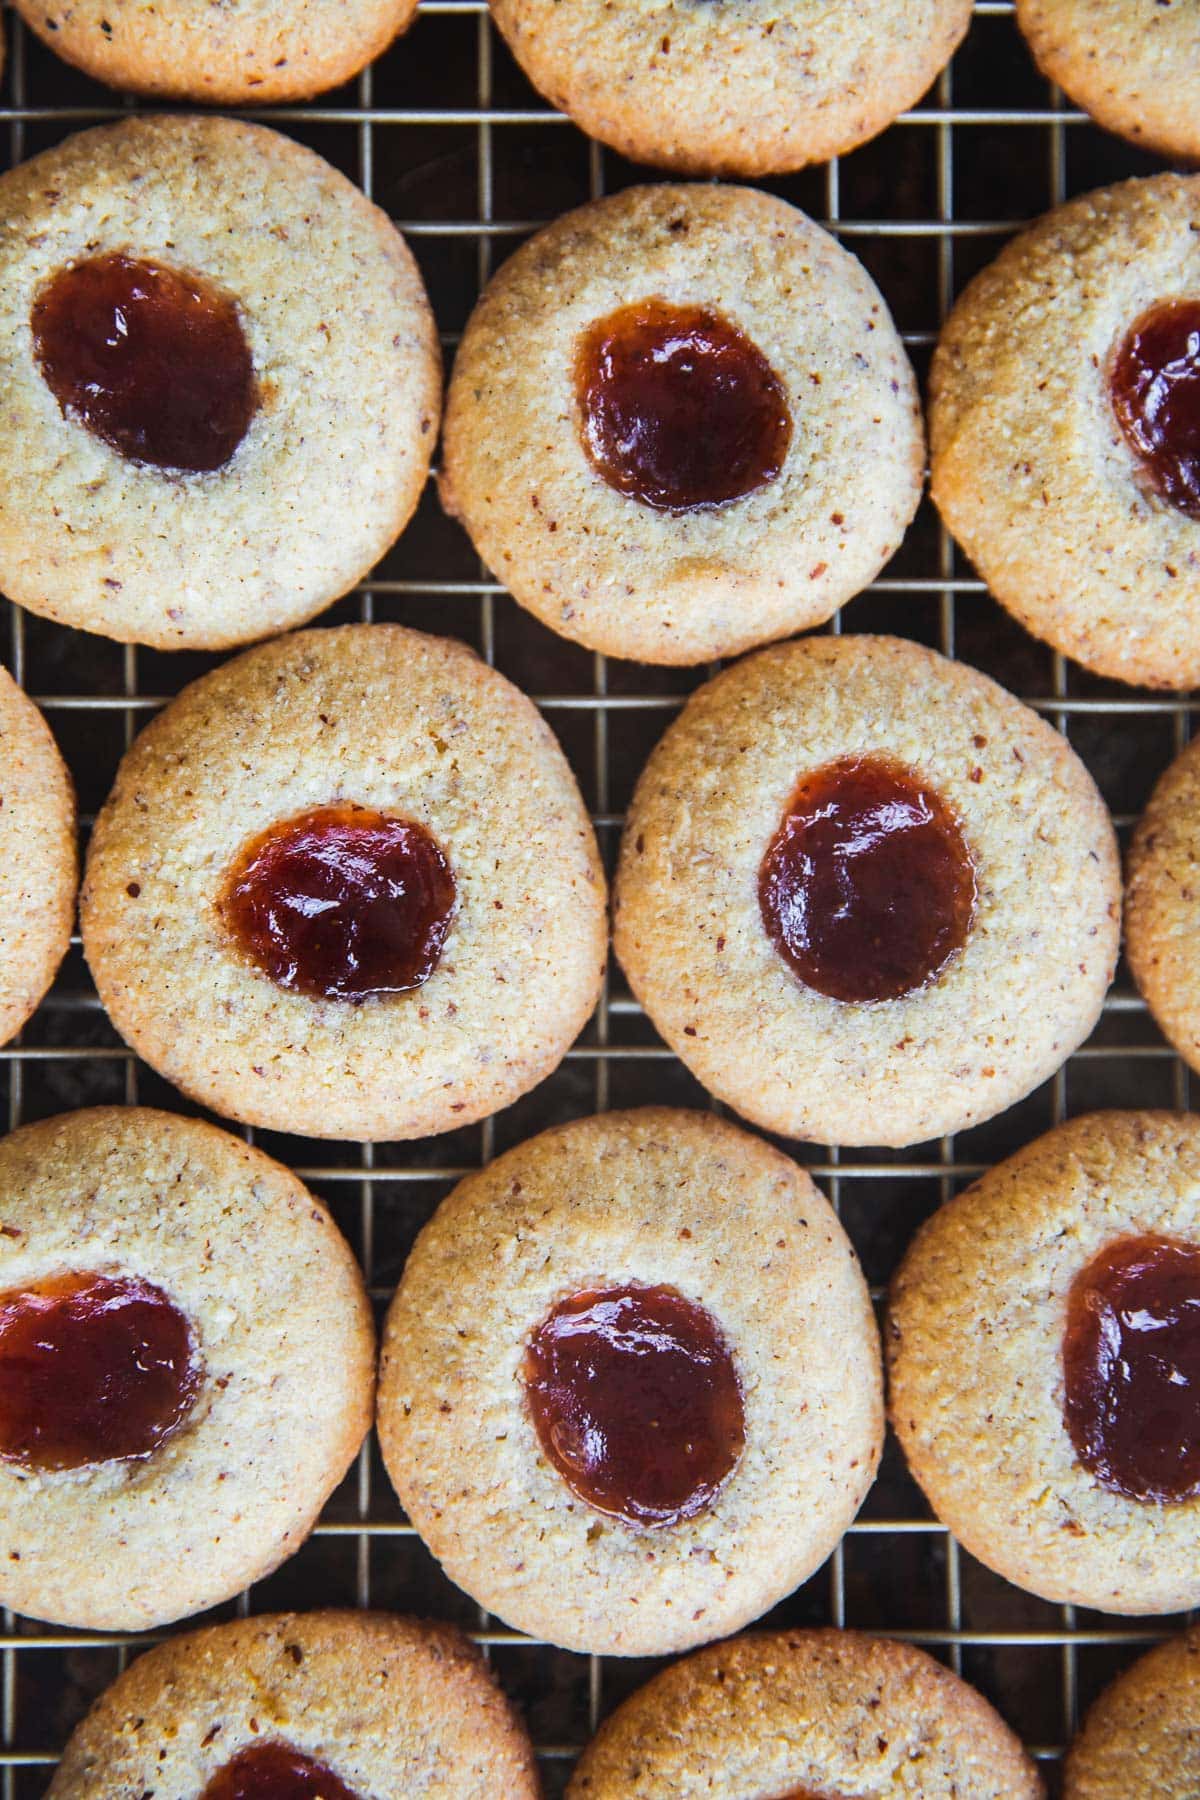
x=1142 y=1736
x=681 y=422
x=527 y=1483
x=1162 y=904
x=802 y=1712
x=274 y=391
x=993 y=987
x=1133 y=64
x=39 y=866
x=1064 y=1462
x=1054 y=461
x=202 y=953
x=380 y=1705
x=212 y=1369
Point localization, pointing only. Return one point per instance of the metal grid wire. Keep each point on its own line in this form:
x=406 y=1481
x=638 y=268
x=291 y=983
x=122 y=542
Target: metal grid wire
x=444 y=132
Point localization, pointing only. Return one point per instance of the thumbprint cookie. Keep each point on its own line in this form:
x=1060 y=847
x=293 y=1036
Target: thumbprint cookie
x=219 y=379
x=1142 y=1736
x=186 y=1366
x=39 y=869
x=303 y=1706
x=630 y=1385
x=1065 y=429
x=805 y=1714
x=1162 y=904
x=346 y=886
x=681 y=422
x=1044 y=1350
x=865 y=894
x=1133 y=64
x=732 y=89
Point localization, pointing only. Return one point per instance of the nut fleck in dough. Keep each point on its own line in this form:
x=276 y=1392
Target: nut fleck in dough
x=732 y=89
x=1031 y=470
x=392 y=1706
x=975 y=1352
x=818 y=1712
x=283 y=1330
x=39 y=866
x=1006 y=1012
x=345 y=357
x=411 y=726
x=599 y=566
x=645 y=1198
x=1142 y=1736
x=1133 y=64
x=1162 y=904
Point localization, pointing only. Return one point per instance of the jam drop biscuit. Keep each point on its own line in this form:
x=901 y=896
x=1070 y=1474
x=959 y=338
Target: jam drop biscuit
x=1044 y=1352
x=729 y=90
x=39 y=869
x=630 y=1390
x=1065 y=429
x=865 y=894
x=186 y=1367
x=219 y=379
x=681 y=422
x=805 y=1713
x=1142 y=1736
x=303 y=1706
x=1162 y=904
x=346 y=886
x=227 y=52
x=1133 y=64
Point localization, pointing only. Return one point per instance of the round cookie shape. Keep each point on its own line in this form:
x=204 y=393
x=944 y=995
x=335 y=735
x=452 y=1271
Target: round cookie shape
x=995 y=1018
x=1133 y=64
x=1162 y=907
x=1032 y=469
x=1143 y=1733
x=325 y=1684
x=805 y=1712
x=39 y=867
x=281 y=1376
x=653 y=1199
x=164 y=213
x=226 y=54
x=725 y=90
x=980 y=1377
x=810 y=520
x=368 y=722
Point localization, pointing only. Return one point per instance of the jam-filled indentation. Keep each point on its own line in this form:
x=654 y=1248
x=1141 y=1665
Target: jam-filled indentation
x=678 y=408
x=341 y=903
x=274 y=1771
x=1131 y=1368
x=1154 y=379
x=151 y=360
x=867 y=889
x=93 y=1369
x=636 y=1402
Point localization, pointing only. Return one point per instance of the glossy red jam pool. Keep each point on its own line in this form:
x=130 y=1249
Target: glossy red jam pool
x=1155 y=385
x=275 y=1771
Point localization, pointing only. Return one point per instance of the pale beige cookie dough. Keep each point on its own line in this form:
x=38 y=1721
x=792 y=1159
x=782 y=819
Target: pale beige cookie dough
x=410 y=726
x=392 y=1706
x=1133 y=64
x=1162 y=904
x=800 y=1713
x=975 y=1354
x=344 y=354
x=283 y=1344
x=1030 y=469
x=653 y=1197
x=1142 y=1736
x=602 y=567
x=39 y=866
x=732 y=88
x=1023 y=992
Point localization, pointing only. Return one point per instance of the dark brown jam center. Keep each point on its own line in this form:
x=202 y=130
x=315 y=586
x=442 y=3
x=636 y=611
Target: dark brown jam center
x=636 y=1402
x=275 y=1772
x=153 y=361
x=678 y=408
x=868 y=887
x=91 y=1370
x=1131 y=1363
x=342 y=903
x=1155 y=383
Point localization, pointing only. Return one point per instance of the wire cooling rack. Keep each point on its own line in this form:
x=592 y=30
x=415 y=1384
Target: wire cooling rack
x=445 y=134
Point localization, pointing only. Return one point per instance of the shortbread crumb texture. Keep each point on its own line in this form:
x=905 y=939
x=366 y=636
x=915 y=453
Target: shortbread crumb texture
x=39 y=864
x=1133 y=64
x=1162 y=904
x=1142 y=1736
